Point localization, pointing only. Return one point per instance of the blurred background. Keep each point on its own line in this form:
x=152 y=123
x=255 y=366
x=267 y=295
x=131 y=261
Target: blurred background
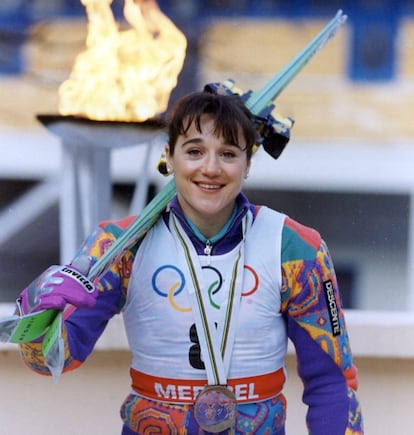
x=347 y=171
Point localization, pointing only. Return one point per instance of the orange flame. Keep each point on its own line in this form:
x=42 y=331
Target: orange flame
x=124 y=75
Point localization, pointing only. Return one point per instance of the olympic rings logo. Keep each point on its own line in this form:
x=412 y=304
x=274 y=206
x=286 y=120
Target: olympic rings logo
x=168 y=281
x=172 y=290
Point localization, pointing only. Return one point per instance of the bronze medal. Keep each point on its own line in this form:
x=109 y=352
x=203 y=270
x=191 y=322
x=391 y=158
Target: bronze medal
x=215 y=408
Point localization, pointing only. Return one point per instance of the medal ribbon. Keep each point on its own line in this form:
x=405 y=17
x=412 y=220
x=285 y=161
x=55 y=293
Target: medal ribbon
x=216 y=353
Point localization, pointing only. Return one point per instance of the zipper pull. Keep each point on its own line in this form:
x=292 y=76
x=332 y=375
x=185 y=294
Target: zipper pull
x=208 y=248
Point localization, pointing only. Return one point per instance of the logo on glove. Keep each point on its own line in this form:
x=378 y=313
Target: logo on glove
x=86 y=284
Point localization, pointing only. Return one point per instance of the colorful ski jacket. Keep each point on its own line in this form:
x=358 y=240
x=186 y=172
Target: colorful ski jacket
x=289 y=291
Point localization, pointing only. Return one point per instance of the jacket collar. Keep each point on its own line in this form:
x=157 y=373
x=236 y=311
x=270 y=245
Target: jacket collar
x=231 y=238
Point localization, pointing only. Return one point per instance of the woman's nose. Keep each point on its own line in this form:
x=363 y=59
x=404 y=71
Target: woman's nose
x=212 y=165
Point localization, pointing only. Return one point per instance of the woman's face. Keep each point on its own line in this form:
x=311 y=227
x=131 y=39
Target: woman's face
x=209 y=174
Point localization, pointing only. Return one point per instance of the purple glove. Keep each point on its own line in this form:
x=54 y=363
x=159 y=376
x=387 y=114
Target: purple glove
x=58 y=286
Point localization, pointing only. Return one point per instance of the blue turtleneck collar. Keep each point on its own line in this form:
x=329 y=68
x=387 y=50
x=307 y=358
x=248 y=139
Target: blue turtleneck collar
x=226 y=239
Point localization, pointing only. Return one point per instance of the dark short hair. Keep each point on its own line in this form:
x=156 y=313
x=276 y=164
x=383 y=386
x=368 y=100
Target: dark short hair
x=228 y=111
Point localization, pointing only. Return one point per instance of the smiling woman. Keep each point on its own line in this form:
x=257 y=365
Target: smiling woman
x=228 y=280
x=209 y=154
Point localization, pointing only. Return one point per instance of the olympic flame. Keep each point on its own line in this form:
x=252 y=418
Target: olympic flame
x=124 y=75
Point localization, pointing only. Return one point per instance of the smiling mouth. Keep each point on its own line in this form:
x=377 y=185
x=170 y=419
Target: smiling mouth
x=210 y=186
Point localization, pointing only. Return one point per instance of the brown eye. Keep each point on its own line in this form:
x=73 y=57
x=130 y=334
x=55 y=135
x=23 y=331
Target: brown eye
x=229 y=155
x=194 y=152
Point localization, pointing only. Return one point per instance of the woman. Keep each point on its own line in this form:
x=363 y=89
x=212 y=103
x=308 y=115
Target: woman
x=210 y=296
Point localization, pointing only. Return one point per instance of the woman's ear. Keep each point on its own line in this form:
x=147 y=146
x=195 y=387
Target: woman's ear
x=247 y=170
x=168 y=159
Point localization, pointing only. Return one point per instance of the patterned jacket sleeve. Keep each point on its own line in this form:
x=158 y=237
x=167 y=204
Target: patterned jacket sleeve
x=82 y=327
x=311 y=305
